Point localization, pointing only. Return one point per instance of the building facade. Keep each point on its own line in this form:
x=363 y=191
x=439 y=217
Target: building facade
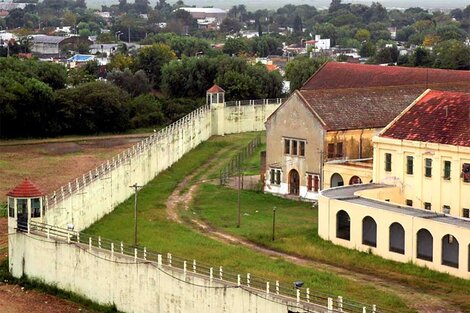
x=418 y=209
x=321 y=136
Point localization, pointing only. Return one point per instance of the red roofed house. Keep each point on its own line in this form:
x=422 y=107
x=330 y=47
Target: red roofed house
x=418 y=208
x=25 y=202
x=321 y=136
x=426 y=151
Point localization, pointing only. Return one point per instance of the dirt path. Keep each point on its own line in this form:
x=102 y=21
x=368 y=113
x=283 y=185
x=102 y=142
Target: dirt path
x=417 y=300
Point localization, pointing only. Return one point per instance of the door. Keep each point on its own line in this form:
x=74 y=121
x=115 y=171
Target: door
x=294 y=182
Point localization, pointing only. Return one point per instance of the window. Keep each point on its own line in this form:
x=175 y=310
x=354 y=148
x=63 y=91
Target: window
x=409 y=165
x=309 y=182
x=275 y=177
x=388 y=162
x=36 y=207
x=272 y=176
x=427 y=205
x=446 y=209
x=316 y=183
x=409 y=202
x=21 y=207
x=286 y=146
x=302 y=148
x=447 y=170
x=331 y=150
x=11 y=207
x=339 y=150
x=466 y=213
x=294 y=147
x=428 y=167
x=278 y=177
x=466 y=172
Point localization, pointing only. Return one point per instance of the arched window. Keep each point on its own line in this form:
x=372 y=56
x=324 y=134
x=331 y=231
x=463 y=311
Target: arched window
x=369 y=232
x=343 y=225
x=424 y=245
x=450 y=251
x=397 y=238
x=355 y=180
x=336 y=180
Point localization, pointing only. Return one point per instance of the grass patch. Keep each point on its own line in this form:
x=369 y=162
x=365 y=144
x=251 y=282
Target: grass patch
x=157 y=233
x=297 y=233
x=53 y=290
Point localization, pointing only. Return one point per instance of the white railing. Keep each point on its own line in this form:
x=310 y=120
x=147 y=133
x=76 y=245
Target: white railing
x=305 y=298
x=254 y=102
x=75 y=185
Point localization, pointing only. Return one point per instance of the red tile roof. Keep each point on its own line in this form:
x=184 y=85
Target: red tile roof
x=361 y=108
x=439 y=117
x=215 y=89
x=26 y=189
x=335 y=75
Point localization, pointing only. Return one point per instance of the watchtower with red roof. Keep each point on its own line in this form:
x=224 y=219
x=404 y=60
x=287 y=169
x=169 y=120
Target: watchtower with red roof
x=25 y=203
x=215 y=95
x=216 y=99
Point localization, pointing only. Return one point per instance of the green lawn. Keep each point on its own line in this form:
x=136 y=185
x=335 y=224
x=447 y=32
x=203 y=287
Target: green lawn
x=296 y=233
x=158 y=233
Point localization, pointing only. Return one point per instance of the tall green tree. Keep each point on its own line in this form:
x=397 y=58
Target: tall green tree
x=300 y=69
x=152 y=59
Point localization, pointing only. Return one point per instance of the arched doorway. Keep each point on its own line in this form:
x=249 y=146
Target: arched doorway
x=369 y=232
x=336 y=180
x=397 y=238
x=355 y=180
x=450 y=251
x=294 y=182
x=424 y=245
x=343 y=225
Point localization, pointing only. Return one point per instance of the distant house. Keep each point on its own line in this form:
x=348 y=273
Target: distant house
x=205 y=13
x=321 y=136
x=53 y=46
x=317 y=44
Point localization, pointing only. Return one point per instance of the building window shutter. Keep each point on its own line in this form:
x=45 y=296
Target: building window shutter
x=447 y=166
x=409 y=165
x=286 y=146
x=278 y=177
x=316 y=183
x=309 y=182
x=302 y=148
x=428 y=167
x=339 y=150
x=388 y=162
x=272 y=176
x=331 y=150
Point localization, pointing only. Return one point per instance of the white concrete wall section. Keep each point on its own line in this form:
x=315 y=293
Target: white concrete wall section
x=87 y=199
x=135 y=285
x=247 y=118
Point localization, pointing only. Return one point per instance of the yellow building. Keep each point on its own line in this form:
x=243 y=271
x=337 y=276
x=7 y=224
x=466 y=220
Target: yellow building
x=321 y=136
x=418 y=210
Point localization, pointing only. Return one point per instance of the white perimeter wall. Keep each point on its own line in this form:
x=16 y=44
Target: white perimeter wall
x=246 y=118
x=133 y=287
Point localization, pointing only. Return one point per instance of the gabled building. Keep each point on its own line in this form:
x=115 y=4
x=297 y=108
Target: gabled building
x=321 y=136
x=418 y=208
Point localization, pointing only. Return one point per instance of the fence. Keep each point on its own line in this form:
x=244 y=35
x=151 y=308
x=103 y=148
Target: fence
x=234 y=164
x=254 y=102
x=303 y=297
x=78 y=183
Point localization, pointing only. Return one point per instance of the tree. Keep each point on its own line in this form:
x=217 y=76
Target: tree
x=387 y=55
x=421 y=57
x=234 y=46
x=119 y=61
x=152 y=59
x=452 y=54
x=335 y=5
x=368 y=49
x=362 y=35
x=146 y=111
x=238 y=86
x=230 y=26
x=297 y=27
x=300 y=69
x=135 y=84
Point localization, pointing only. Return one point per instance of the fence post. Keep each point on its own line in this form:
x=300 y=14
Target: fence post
x=168 y=256
x=68 y=237
x=194 y=266
x=267 y=287
x=135 y=255
x=145 y=253
x=122 y=248
x=340 y=303
x=374 y=308
x=48 y=232
x=211 y=274
x=99 y=242
x=221 y=273
x=298 y=294
x=277 y=287
x=184 y=270
x=89 y=242
x=78 y=237
x=239 y=280
x=159 y=260
x=112 y=248
x=248 y=279
x=308 y=295
x=364 y=309
x=330 y=305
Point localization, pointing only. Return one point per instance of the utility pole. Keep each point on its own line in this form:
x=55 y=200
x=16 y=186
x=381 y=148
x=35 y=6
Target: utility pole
x=274 y=220
x=129 y=34
x=136 y=188
x=239 y=185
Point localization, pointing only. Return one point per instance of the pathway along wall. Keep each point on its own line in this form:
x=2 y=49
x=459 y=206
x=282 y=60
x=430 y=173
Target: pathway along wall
x=88 y=198
x=135 y=285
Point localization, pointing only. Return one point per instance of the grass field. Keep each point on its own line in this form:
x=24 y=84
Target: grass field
x=296 y=234
x=158 y=233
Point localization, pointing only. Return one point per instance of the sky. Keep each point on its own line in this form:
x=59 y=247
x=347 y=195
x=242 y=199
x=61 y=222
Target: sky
x=269 y=4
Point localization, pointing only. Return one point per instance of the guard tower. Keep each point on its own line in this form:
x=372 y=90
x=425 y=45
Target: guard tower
x=25 y=202
x=215 y=98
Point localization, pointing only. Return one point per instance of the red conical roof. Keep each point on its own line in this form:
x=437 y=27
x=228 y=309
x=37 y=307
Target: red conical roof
x=215 y=89
x=26 y=189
